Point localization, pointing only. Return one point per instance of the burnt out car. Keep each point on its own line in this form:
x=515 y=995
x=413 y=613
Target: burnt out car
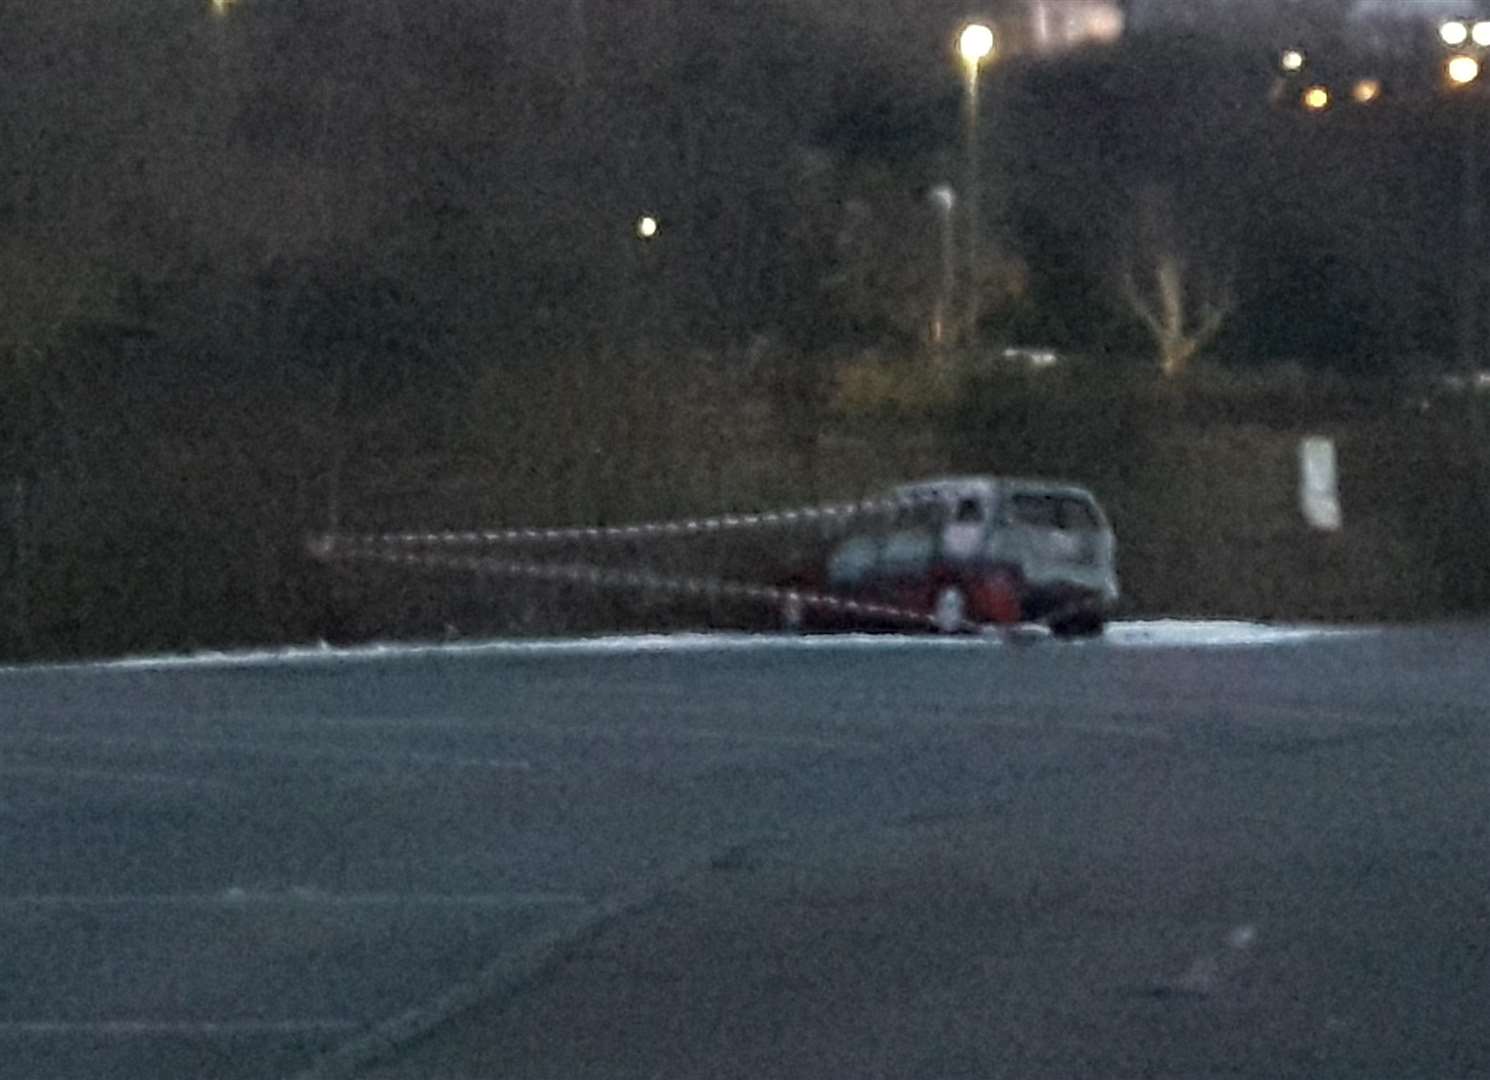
x=970 y=551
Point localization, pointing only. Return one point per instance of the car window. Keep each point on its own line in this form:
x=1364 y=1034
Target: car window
x=915 y=511
x=1079 y=515
x=969 y=510
x=1039 y=511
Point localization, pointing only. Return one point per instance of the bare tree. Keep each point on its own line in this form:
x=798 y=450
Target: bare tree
x=1178 y=287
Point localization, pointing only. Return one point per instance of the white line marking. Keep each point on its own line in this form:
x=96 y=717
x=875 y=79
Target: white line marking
x=1116 y=729
x=296 y=897
x=105 y=775
x=134 y=1029
x=309 y=753
x=557 y=728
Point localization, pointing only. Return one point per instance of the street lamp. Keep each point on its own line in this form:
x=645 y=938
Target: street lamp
x=974 y=45
x=1316 y=99
x=646 y=227
x=944 y=198
x=1462 y=69
x=1292 y=60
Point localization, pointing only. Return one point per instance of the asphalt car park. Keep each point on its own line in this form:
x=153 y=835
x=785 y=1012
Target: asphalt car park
x=232 y=866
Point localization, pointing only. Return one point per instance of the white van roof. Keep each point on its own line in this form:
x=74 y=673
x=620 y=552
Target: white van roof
x=986 y=487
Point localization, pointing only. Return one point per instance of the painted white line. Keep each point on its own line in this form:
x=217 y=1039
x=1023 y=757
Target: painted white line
x=1118 y=730
x=248 y=749
x=136 y=1029
x=559 y=729
x=298 y=897
x=1115 y=729
x=152 y=779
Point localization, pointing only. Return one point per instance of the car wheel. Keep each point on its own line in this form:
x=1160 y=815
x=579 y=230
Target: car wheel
x=1000 y=596
x=949 y=610
x=1085 y=624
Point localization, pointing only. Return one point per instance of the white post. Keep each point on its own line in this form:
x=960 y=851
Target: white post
x=1319 y=489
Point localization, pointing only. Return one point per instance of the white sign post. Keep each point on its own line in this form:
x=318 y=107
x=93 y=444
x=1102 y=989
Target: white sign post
x=1319 y=487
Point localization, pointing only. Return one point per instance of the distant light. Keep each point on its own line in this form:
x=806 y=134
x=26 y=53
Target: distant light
x=1366 y=91
x=944 y=196
x=646 y=226
x=1104 y=24
x=1481 y=34
x=1463 y=70
x=1316 y=98
x=975 y=43
x=1291 y=60
x=1454 y=33
x=220 y=7
x=1037 y=358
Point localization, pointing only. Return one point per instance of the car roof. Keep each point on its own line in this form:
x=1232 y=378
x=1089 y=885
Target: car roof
x=983 y=486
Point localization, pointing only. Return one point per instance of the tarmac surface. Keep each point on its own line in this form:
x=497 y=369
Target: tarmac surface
x=1188 y=851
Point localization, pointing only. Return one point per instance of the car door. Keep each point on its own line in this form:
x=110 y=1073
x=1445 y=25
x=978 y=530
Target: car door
x=1081 y=532
x=1034 y=535
x=1089 y=548
x=904 y=565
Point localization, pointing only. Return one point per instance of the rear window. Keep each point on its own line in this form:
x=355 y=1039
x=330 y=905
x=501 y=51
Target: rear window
x=968 y=509
x=1039 y=511
x=918 y=515
x=1078 y=515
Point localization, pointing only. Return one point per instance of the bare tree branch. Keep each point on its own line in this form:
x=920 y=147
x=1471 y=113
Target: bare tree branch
x=1185 y=308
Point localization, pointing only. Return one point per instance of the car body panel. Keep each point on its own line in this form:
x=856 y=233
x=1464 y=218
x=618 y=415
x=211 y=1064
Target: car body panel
x=1016 y=548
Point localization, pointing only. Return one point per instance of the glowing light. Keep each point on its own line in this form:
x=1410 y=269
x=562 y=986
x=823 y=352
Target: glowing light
x=221 y=7
x=1104 y=24
x=1316 y=98
x=1291 y=60
x=1366 y=90
x=1480 y=34
x=646 y=226
x=1463 y=70
x=944 y=196
x=975 y=43
x=1454 y=33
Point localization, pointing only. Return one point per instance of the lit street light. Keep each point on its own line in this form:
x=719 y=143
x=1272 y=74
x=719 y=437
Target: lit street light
x=1316 y=99
x=1291 y=60
x=1366 y=91
x=646 y=227
x=975 y=44
x=1462 y=69
x=1454 y=33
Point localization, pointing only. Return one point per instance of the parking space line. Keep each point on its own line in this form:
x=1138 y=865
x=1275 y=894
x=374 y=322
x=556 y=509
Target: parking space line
x=249 y=749
x=134 y=1029
x=295 y=897
x=61 y=772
